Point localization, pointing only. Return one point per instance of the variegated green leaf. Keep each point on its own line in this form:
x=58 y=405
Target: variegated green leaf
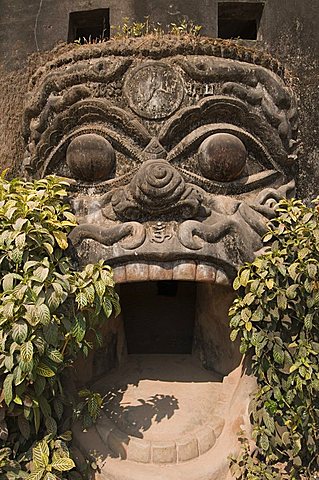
x=40 y=454
x=44 y=314
x=7 y=388
x=55 y=356
x=19 y=331
x=45 y=371
x=63 y=464
x=81 y=300
x=26 y=352
x=36 y=474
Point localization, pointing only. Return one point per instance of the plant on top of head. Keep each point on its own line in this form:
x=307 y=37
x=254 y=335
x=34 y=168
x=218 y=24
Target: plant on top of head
x=277 y=317
x=132 y=29
x=47 y=310
x=185 y=28
x=90 y=40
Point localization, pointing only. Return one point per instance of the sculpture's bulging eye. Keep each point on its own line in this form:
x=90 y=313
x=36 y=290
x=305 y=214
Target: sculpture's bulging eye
x=222 y=157
x=90 y=157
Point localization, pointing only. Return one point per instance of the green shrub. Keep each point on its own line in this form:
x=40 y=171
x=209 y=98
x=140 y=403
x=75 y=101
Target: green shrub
x=47 y=308
x=276 y=316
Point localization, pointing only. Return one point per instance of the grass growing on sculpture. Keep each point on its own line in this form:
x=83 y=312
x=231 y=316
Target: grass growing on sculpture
x=277 y=317
x=47 y=310
x=130 y=28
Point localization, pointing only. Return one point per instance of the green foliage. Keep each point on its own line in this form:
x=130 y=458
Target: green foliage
x=50 y=458
x=251 y=467
x=89 y=409
x=184 y=28
x=131 y=29
x=47 y=310
x=10 y=468
x=276 y=315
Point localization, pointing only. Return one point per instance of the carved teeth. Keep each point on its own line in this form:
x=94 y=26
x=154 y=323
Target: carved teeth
x=179 y=270
x=221 y=278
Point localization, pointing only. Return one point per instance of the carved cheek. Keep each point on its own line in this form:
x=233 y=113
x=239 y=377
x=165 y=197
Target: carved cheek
x=90 y=157
x=222 y=157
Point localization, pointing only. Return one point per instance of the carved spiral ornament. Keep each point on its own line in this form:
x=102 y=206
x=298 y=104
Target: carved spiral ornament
x=157 y=185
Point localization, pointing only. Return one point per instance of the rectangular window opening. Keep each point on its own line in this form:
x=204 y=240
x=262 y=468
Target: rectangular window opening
x=239 y=19
x=89 y=26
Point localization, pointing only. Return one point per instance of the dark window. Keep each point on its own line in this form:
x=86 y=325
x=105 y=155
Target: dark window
x=89 y=25
x=239 y=19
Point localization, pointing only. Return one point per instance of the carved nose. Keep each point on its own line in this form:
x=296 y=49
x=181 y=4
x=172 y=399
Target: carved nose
x=157 y=184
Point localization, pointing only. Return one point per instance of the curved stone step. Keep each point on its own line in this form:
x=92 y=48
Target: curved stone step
x=173 y=451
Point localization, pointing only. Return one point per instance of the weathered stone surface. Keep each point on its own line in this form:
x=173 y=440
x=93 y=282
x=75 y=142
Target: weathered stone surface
x=90 y=157
x=118 y=443
x=206 y=439
x=205 y=273
x=160 y=272
x=187 y=449
x=139 y=451
x=218 y=424
x=184 y=271
x=221 y=278
x=189 y=179
x=222 y=157
x=119 y=274
x=136 y=272
x=154 y=90
x=104 y=427
x=164 y=452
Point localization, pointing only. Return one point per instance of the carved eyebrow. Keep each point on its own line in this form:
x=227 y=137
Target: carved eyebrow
x=92 y=115
x=57 y=81
x=193 y=140
x=220 y=110
x=121 y=144
x=280 y=119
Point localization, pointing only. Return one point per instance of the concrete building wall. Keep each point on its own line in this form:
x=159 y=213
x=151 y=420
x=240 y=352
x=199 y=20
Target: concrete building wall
x=288 y=30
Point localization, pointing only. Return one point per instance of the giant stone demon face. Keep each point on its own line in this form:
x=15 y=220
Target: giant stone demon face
x=170 y=157
x=176 y=161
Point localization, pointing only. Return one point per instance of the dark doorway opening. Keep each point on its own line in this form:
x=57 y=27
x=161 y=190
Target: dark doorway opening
x=239 y=19
x=89 y=25
x=159 y=317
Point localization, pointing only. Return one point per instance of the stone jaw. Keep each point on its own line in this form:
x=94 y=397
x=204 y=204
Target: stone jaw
x=225 y=238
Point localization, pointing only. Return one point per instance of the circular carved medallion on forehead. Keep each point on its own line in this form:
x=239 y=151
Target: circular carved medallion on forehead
x=154 y=90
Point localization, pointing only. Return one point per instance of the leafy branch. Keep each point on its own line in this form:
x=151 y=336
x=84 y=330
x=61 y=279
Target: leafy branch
x=48 y=311
x=276 y=315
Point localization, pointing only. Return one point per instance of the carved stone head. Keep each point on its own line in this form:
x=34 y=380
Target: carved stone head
x=177 y=155
x=172 y=156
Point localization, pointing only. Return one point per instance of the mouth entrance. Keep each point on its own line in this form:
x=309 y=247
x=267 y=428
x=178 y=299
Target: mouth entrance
x=168 y=374
x=165 y=400
x=159 y=317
